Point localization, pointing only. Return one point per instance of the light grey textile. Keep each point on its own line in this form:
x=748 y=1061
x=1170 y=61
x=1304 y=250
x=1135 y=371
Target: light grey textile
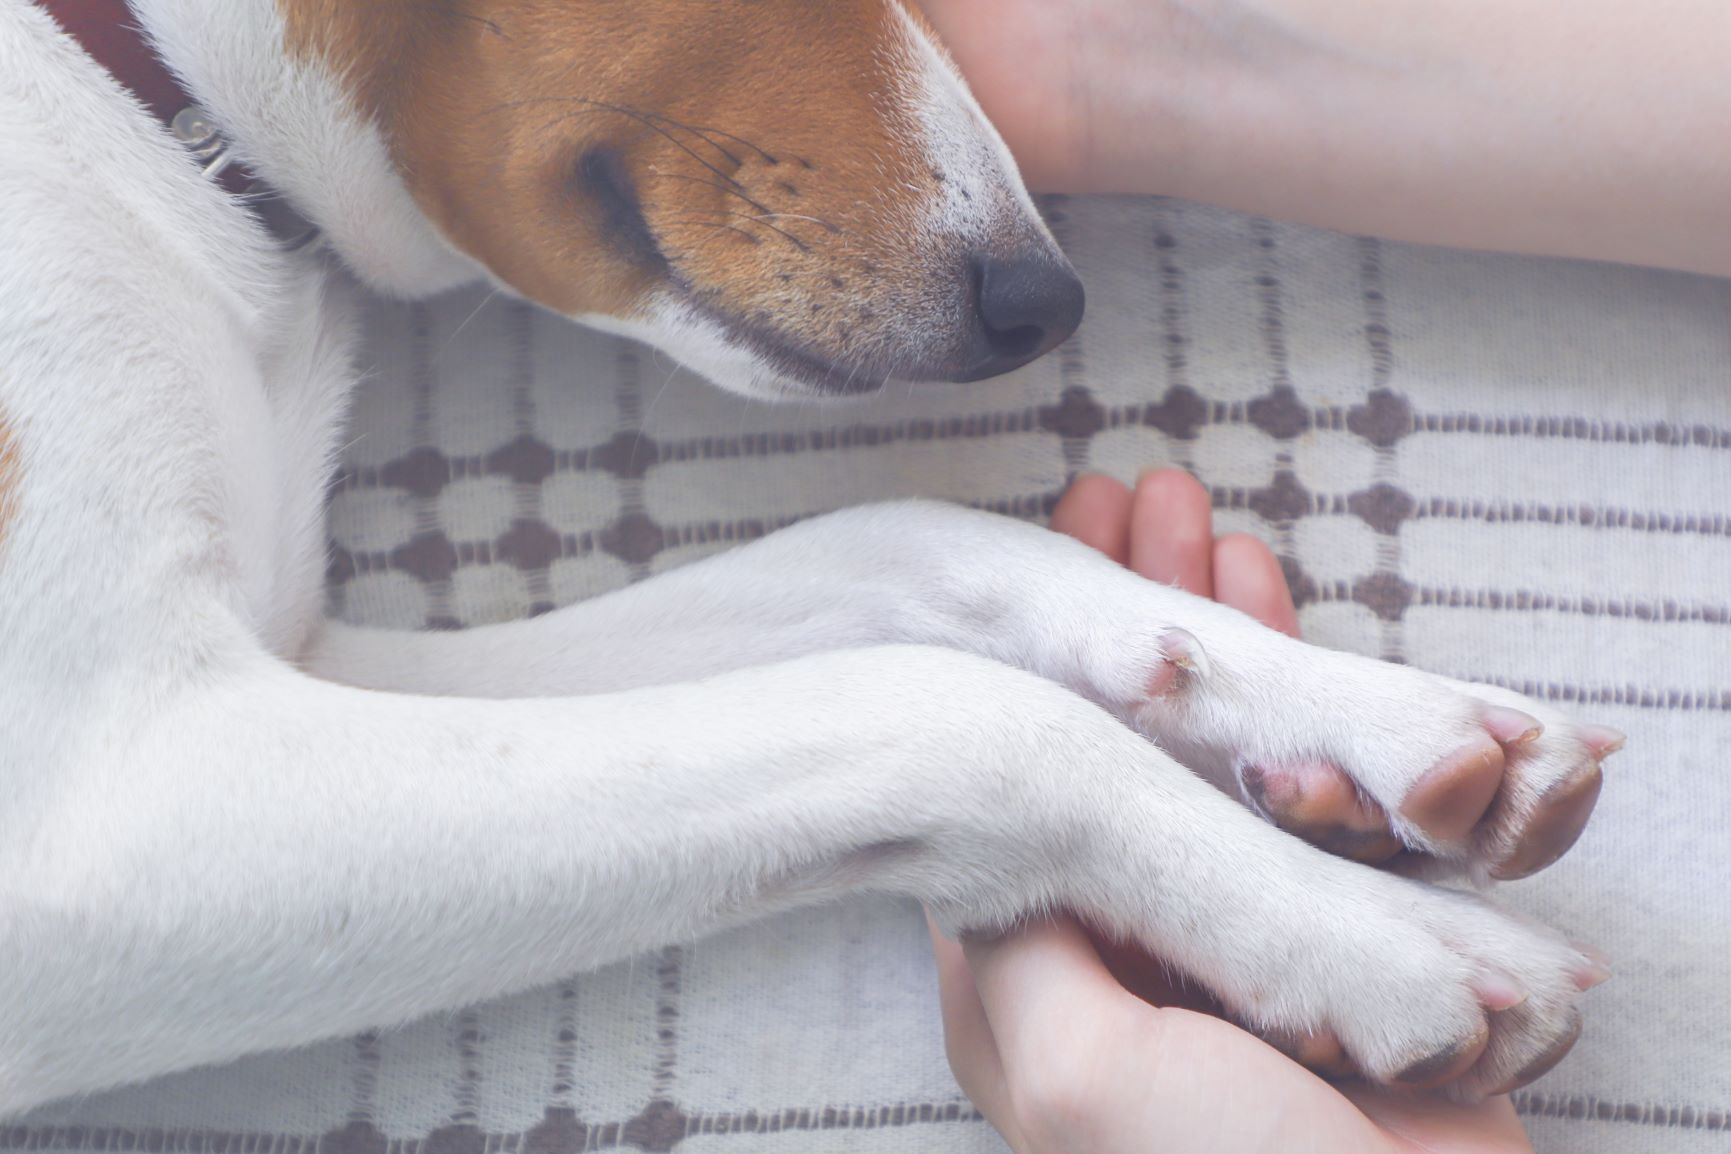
x=1499 y=469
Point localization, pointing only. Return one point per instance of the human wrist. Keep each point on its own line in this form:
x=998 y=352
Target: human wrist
x=1083 y=91
x=1197 y=98
x=1119 y=96
x=1436 y=124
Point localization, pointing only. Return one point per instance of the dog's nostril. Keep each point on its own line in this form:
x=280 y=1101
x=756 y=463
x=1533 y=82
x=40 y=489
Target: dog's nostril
x=1027 y=307
x=1016 y=342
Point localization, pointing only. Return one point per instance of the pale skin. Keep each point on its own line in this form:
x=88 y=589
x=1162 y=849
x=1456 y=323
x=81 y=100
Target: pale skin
x=1044 y=1034
x=1593 y=130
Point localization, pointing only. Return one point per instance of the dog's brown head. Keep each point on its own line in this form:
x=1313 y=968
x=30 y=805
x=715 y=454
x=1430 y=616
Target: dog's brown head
x=790 y=196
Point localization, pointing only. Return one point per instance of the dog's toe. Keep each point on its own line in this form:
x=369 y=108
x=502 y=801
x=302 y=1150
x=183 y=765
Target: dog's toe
x=1555 y=825
x=1319 y=803
x=1547 y=1060
x=1551 y=787
x=1449 y=801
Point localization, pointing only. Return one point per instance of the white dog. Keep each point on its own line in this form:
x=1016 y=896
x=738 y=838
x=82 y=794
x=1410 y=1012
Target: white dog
x=230 y=826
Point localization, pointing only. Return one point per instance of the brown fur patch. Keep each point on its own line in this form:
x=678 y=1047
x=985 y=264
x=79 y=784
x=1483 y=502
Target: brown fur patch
x=10 y=475
x=748 y=154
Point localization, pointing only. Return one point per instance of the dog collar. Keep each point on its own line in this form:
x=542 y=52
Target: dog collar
x=110 y=34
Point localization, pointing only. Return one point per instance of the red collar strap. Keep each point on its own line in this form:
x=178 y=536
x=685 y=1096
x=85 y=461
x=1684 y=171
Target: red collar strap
x=109 y=32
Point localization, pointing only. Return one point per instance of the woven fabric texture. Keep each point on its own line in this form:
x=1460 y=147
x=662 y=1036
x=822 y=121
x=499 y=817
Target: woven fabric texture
x=1507 y=470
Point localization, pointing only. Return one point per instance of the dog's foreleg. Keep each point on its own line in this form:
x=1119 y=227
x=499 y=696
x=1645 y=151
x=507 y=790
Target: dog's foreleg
x=913 y=572
x=271 y=860
x=1259 y=712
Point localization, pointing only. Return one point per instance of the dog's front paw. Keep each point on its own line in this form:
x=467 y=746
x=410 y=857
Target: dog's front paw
x=1408 y=982
x=1512 y=793
x=1373 y=761
x=1416 y=986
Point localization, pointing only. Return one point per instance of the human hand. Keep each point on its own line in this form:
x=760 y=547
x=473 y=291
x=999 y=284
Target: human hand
x=1044 y=1034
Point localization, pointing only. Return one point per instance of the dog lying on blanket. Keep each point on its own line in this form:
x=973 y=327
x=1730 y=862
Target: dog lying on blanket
x=231 y=826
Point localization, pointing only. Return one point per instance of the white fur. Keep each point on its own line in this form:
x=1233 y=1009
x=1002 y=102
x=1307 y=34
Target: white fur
x=225 y=827
x=290 y=121
x=678 y=329
x=983 y=186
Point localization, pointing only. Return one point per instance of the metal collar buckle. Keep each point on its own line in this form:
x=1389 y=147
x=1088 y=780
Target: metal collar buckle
x=195 y=130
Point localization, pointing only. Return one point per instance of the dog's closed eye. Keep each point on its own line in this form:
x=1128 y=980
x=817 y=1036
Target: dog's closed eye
x=602 y=179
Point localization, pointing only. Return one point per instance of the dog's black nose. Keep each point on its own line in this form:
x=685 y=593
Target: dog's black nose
x=1025 y=307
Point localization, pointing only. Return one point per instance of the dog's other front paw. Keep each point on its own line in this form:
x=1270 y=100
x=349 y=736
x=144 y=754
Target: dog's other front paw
x=1426 y=988
x=1377 y=762
x=1514 y=796
x=1370 y=760
x=1408 y=982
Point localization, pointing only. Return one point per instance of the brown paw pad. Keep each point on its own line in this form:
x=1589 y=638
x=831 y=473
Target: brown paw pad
x=1546 y=1061
x=1319 y=803
x=1556 y=824
x=1446 y=1066
x=1449 y=802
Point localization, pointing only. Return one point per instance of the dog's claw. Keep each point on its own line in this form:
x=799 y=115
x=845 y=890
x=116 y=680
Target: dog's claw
x=1184 y=657
x=1498 y=991
x=1183 y=650
x=1511 y=726
x=1603 y=740
x=1594 y=970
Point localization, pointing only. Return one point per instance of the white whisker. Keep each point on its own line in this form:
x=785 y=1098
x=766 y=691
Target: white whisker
x=458 y=331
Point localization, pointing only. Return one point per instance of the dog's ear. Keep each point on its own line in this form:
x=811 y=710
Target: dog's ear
x=788 y=196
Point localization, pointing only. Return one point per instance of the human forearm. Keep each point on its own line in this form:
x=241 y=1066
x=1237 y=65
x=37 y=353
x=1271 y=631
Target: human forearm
x=1505 y=124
